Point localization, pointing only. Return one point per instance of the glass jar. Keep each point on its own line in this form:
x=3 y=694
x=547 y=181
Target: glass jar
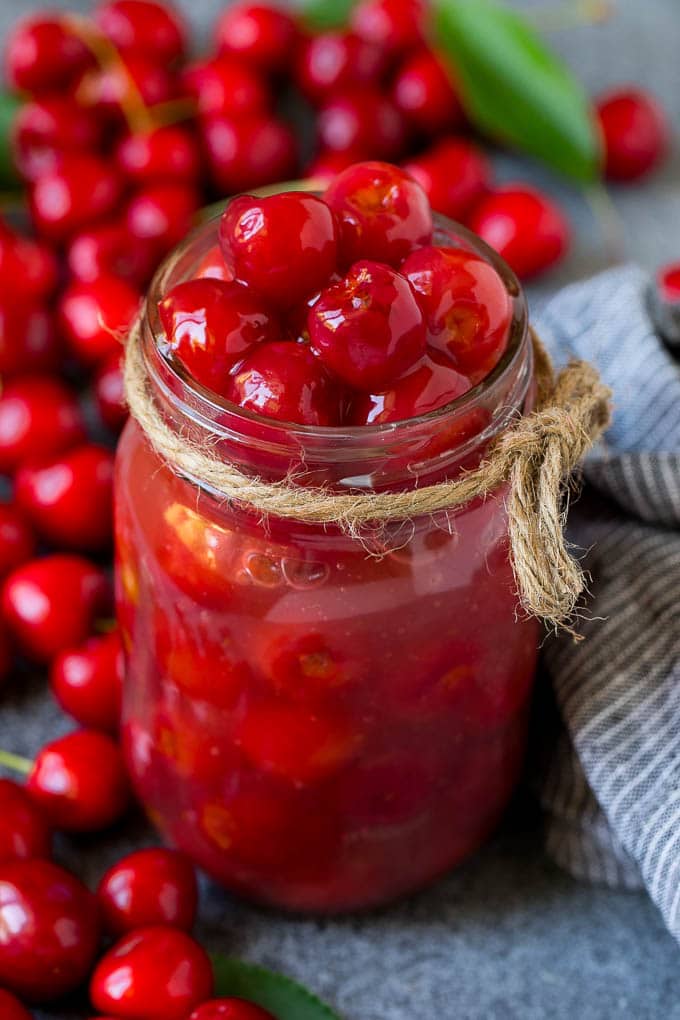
x=322 y=722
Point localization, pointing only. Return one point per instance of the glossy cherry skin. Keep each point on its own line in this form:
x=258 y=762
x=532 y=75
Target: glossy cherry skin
x=11 y=1008
x=332 y=62
x=433 y=383
x=109 y=393
x=79 y=191
x=162 y=154
x=48 y=126
x=424 y=92
x=393 y=25
x=286 y=382
x=24 y=832
x=79 y=782
x=28 y=268
x=368 y=329
x=248 y=152
x=454 y=175
x=106 y=249
x=525 y=226
x=95 y=317
x=210 y=325
x=143 y=27
x=156 y=973
x=362 y=121
x=39 y=416
x=226 y=86
x=161 y=215
x=87 y=681
x=230 y=1009
x=29 y=341
x=284 y=247
x=261 y=35
x=383 y=213
x=17 y=541
x=69 y=498
x=41 y=55
x=212 y=266
x=149 y=887
x=635 y=132
x=49 y=930
x=466 y=305
x=50 y=604
x=106 y=90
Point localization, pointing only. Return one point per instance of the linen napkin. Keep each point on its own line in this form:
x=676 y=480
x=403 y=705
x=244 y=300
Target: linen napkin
x=612 y=789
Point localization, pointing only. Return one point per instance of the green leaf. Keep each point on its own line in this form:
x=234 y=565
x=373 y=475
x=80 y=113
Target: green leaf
x=325 y=14
x=8 y=109
x=515 y=89
x=285 y=998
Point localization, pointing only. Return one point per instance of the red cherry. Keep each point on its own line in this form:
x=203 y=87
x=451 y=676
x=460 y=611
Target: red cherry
x=17 y=541
x=393 y=25
x=263 y=36
x=28 y=338
x=95 y=317
x=39 y=416
x=230 y=1009
x=143 y=27
x=79 y=782
x=11 y=1008
x=48 y=126
x=326 y=166
x=454 y=175
x=635 y=132
x=157 y=973
x=362 y=121
x=50 y=930
x=433 y=383
x=213 y=266
x=210 y=326
x=368 y=328
x=425 y=93
x=87 y=681
x=149 y=887
x=24 y=832
x=162 y=215
x=248 y=152
x=466 y=305
x=50 y=604
x=69 y=498
x=286 y=382
x=668 y=282
x=228 y=87
x=28 y=268
x=526 y=228
x=79 y=191
x=109 y=393
x=162 y=154
x=41 y=54
x=383 y=213
x=111 y=89
x=332 y=62
x=283 y=246
x=107 y=249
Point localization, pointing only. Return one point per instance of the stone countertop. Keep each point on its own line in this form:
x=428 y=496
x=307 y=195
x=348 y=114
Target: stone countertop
x=507 y=935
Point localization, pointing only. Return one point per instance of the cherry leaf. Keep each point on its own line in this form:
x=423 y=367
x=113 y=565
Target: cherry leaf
x=326 y=14
x=8 y=108
x=282 y=996
x=515 y=89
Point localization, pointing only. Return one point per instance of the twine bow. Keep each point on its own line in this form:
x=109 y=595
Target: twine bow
x=536 y=456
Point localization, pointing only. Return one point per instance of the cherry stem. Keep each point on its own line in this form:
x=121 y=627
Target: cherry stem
x=16 y=762
x=172 y=112
x=609 y=221
x=572 y=14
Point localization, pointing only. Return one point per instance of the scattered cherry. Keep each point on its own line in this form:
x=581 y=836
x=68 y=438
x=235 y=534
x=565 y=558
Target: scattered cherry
x=143 y=27
x=106 y=90
x=47 y=126
x=148 y=887
x=424 y=92
x=161 y=154
x=161 y=215
x=286 y=382
x=363 y=121
x=332 y=62
x=326 y=166
x=230 y=1009
x=226 y=86
x=29 y=341
x=262 y=36
x=41 y=55
x=393 y=25
x=28 y=268
x=39 y=416
x=635 y=132
x=50 y=604
x=11 y=1008
x=105 y=249
x=247 y=152
x=17 y=541
x=81 y=189
x=24 y=832
x=109 y=393
x=50 y=930
x=96 y=316
x=156 y=973
x=87 y=681
x=454 y=175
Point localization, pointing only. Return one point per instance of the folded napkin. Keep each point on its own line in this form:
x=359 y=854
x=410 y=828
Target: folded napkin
x=612 y=788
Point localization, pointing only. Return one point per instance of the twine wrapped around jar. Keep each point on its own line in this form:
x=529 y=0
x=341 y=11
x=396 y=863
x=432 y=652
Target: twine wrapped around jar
x=535 y=456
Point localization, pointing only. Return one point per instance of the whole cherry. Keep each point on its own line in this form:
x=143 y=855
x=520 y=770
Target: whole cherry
x=156 y=973
x=42 y=54
x=364 y=121
x=39 y=416
x=49 y=930
x=263 y=36
x=109 y=393
x=17 y=541
x=393 y=25
x=332 y=62
x=432 y=383
x=162 y=154
x=284 y=246
x=454 y=175
x=29 y=341
x=28 y=268
x=247 y=152
x=286 y=382
x=50 y=604
x=148 y=887
x=424 y=92
x=24 y=832
x=143 y=27
x=81 y=189
x=11 y=1008
x=526 y=228
x=47 y=126
x=230 y=1009
x=87 y=681
x=226 y=86
x=96 y=316
x=79 y=782
x=635 y=132
x=106 y=249
x=160 y=215
x=107 y=89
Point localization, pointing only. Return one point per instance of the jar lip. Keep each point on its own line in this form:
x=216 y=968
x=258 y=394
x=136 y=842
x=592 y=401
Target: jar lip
x=213 y=405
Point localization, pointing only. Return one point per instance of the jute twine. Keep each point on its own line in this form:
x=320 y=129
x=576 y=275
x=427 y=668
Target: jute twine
x=536 y=456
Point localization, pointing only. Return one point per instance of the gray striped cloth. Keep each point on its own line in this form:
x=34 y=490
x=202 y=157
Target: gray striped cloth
x=611 y=789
